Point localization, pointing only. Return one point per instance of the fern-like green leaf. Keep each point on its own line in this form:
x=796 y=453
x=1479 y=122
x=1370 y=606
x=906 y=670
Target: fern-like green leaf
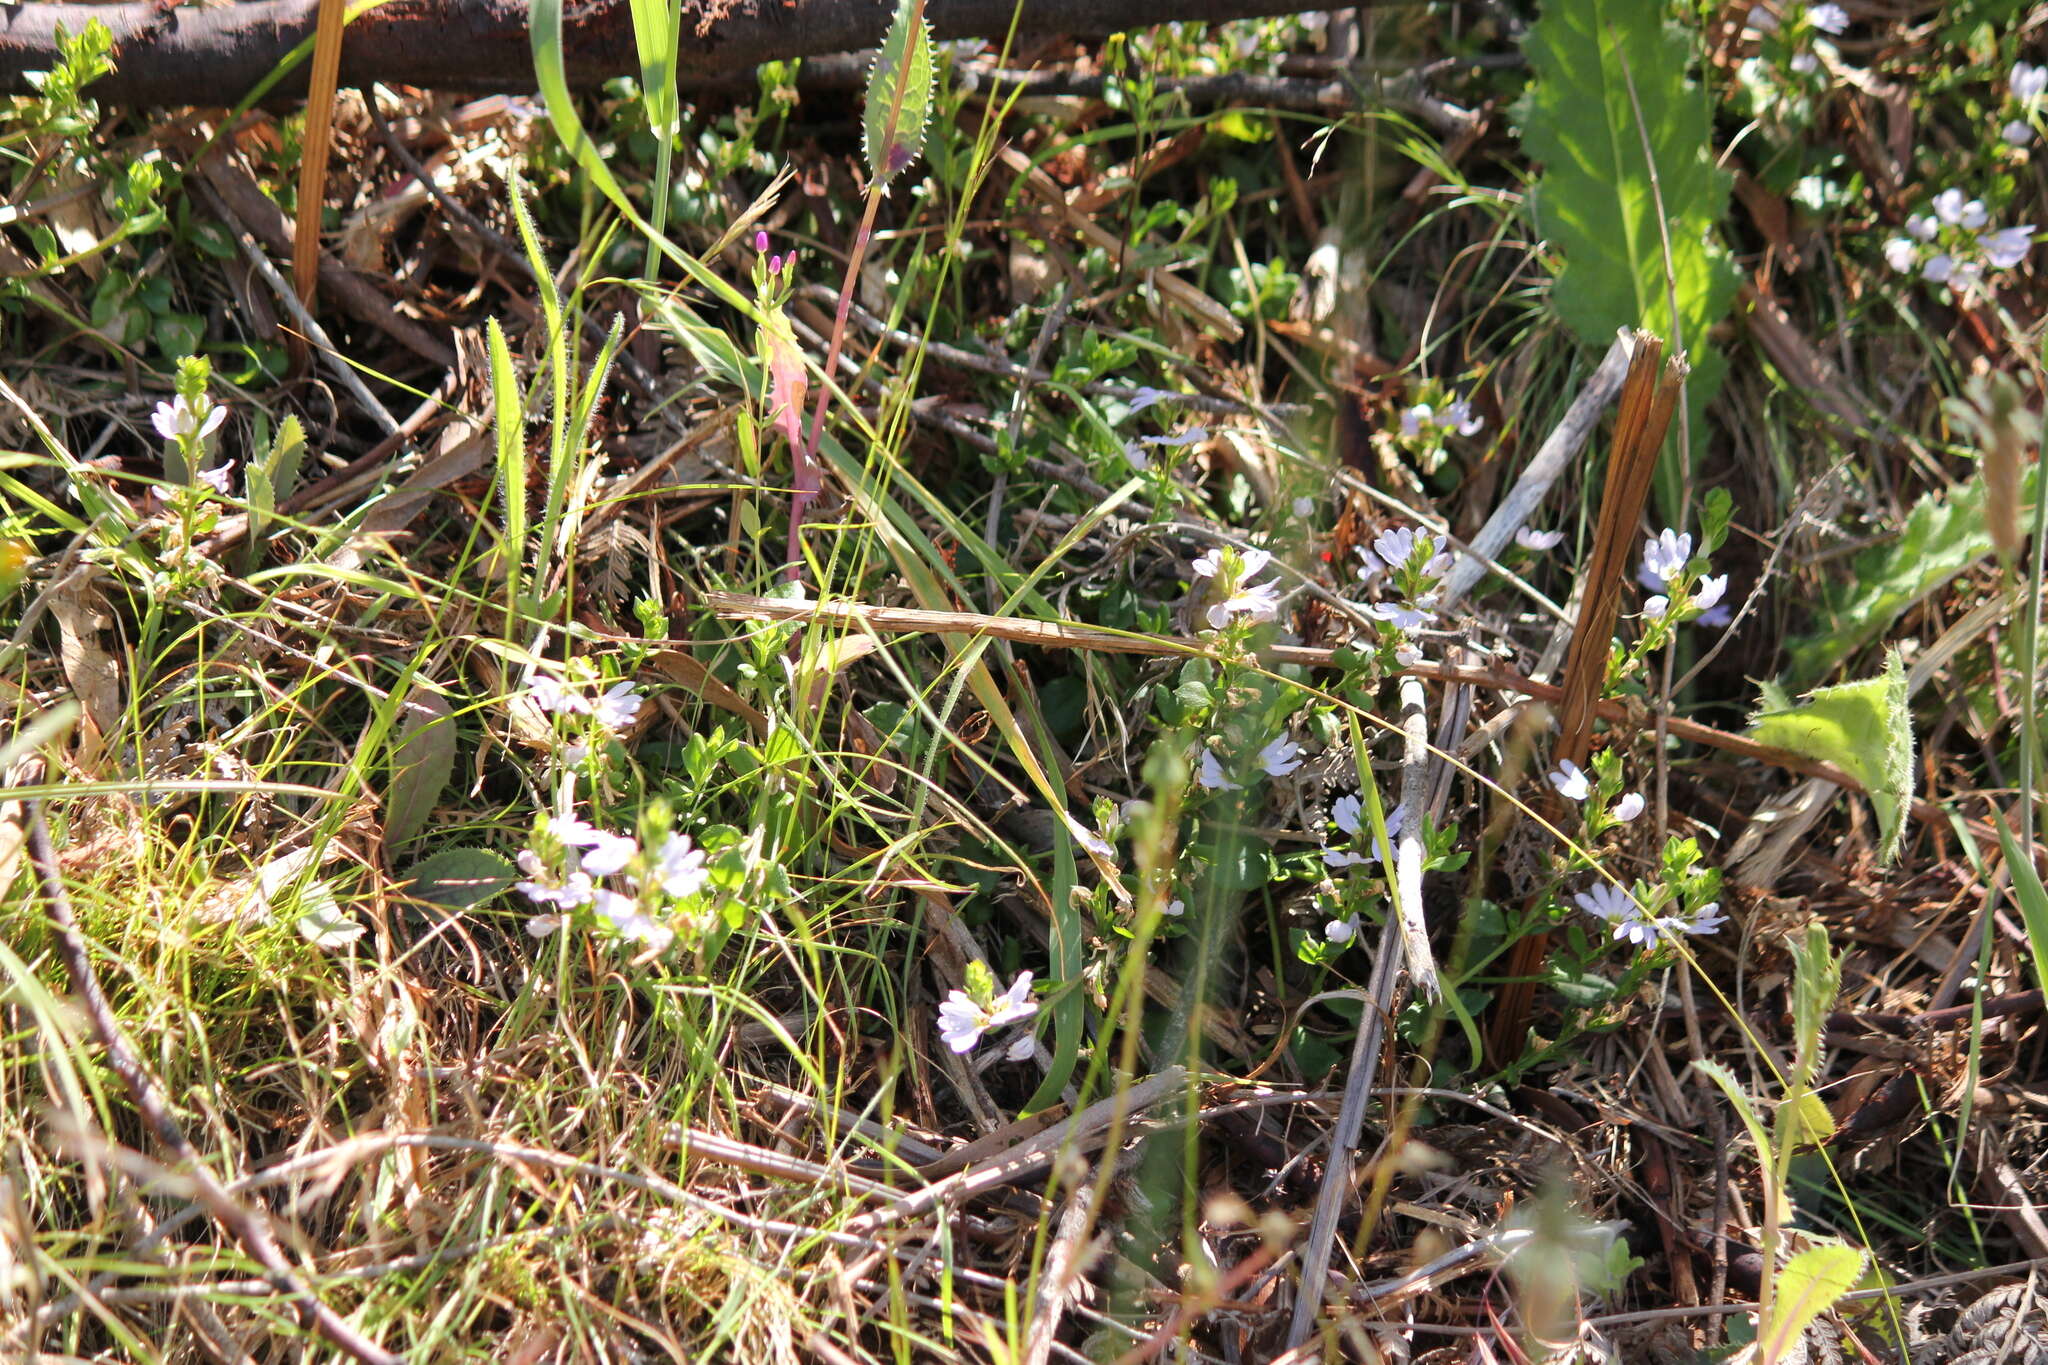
x=1863 y=728
x=1596 y=65
x=899 y=99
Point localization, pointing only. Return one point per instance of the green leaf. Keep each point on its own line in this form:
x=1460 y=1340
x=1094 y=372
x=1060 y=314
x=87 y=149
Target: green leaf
x=459 y=878
x=1596 y=63
x=421 y=763
x=1803 y=1122
x=899 y=98
x=1744 y=1109
x=1808 y=1286
x=2031 y=895
x=1863 y=728
x=1943 y=536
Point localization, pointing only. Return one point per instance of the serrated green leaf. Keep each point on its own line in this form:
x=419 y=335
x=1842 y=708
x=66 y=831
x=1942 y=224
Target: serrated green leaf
x=1808 y=1286
x=1865 y=729
x=1943 y=536
x=899 y=98
x=421 y=763
x=1803 y=1122
x=1596 y=64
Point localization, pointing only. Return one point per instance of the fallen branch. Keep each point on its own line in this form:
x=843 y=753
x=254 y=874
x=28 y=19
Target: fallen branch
x=214 y=55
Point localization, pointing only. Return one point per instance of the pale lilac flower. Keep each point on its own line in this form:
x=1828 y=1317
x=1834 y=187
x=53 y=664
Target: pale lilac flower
x=1900 y=254
x=1304 y=507
x=678 y=867
x=1407 y=654
x=1966 y=276
x=573 y=833
x=1705 y=920
x=1280 y=757
x=178 y=421
x=1146 y=397
x=608 y=853
x=1208 y=564
x=1414 y=419
x=1571 y=781
x=1256 y=601
x=1343 y=857
x=1664 y=556
x=1709 y=592
x=2028 y=81
x=1655 y=607
x=1716 y=616
x=1021 y=1048
x=2017 y=133
x=1604 y=900
x=1529 y=538
x=629 y=921
x=1629 y=807
x=1950 y=207
x=617 y=707
x=1395 y=545
x=1094 y=843
x=1210 y=774
x=1830 y=19
x=1370 y=566
x=1254 y=563
x=2005 y=248
x=574 y=891
x=1921 y=226
x=1401 y=615
x=1938 y=267
x=1644 y=933
x=540 y=926
x=1344 y=813
x=1136 y=456
x=1461 y=416
x=572 y=754
x=1341 y=930
x=1804 y=63
x=1175 y=908
x=962 y=1023
x=1762 y=20
x=218 y=479
x=551 y=696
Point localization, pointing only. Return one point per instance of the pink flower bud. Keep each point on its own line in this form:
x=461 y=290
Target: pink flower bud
x=761 y=243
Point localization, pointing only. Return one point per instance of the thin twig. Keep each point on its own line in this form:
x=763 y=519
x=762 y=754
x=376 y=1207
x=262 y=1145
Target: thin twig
x=242 y=1224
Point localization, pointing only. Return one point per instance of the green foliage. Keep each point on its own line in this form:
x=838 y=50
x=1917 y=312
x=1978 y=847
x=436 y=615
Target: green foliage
x=1943 y=536
x=899 y=99
x=1610 y=86
x=458 y=878
x=1863 y=728
x=1810 y=1284
x=2030 y=894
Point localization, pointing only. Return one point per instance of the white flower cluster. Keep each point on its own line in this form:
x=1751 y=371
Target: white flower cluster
x=963 y=1020
x=613 y=710
x=188 y=426
x=1415 y=564
x=675 y=871
x=1631 y=924
x=2028 y=83
x=1241 y=599
x=1953 y=244
x=1664 y=571
x=1574 y=783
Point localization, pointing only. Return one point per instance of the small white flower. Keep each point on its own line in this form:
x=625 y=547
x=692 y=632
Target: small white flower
x=1975 y=215
x=1395 y=545
x=1664 y=556
x=1948 y=206
x=1604 y=900
x=540 y=926
x=1255 y=601
x=2004 y=248
x=962 y=1022
x=1210 y=774
x=1344 y=813
x=1709 y=591
x=1253 y=563
x=219 y=479
x=1341 y=930
x=678 y=867
x=1461 y=416
x=1529 y=538
x=1343 y=857
x=1804 y=63
x=1400 y=614
x=1923 y=227
x=623 y=913
x=1644 y=933
x=1571 y=781
x=1304 y=507
x=1655 y=607
x=1762 y=20
x=617 y=707
x=1175 y=908
x=1021 y=1049
x=1414 y=419
x=1208 y=564
x=1094 y=843
x=2017 y=133
x=551 y=696
x=1938 y=267
x=1137 y=456
x=1407 y=654
x=1629 y=807
x=575 y=890
x=2028 y=81
x=1146 y=397
x=1280 y=757
x=1966 y=276
x=571 y=755
x=1830 y=19
x=1705 y=920
x=608 y=853
x=1900 y=254
x=176 y=420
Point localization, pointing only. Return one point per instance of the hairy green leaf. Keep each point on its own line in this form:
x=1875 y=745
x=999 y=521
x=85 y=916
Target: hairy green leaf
x=1863 y=728
x=1610 y=85
x=899 y=99
x=1943 y=536
x=460 y=877
x=421 y=763
x=1810 y=1284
